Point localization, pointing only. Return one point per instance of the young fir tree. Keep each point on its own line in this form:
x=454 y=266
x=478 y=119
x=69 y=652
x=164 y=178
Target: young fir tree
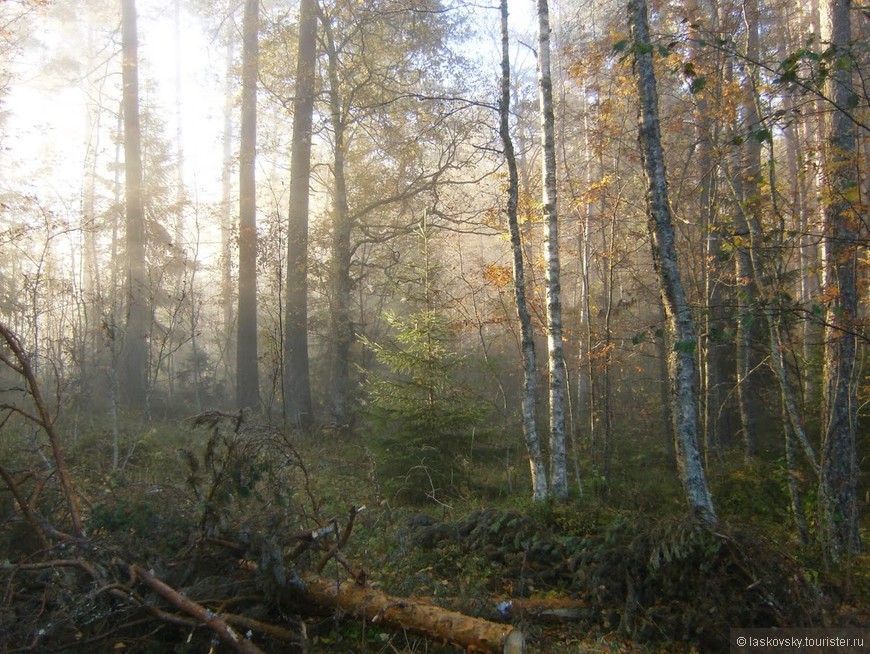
x=422 y=417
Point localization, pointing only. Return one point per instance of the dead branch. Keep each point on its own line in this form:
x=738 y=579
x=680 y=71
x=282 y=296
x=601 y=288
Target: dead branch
x=215 y=622
x=24 y=506
x=46 y=421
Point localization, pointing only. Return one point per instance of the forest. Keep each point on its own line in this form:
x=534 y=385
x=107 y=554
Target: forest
x=433 y=325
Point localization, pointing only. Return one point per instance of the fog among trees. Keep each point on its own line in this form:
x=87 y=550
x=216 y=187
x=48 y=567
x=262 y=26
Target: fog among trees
x=576 y=252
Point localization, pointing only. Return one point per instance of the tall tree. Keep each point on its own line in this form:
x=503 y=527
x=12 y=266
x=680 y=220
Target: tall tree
x=247 y=375
x=530 y=365
x=555 y=349
x=297 y=385
x=226 y=213
x=838 y=489
x=681 y=327
x=342 y=226
x=386 y=124
x=138 y=313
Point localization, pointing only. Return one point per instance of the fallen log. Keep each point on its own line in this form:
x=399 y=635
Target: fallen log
x=474 y=634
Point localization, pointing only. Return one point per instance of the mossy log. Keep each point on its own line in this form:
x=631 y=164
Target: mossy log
x=474 y=634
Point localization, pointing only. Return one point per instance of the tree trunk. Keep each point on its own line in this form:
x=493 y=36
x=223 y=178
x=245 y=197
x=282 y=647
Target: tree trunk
x=226 y=219
x=609 y=248
x=713 y=355
x=555 y=350
x=585 y=367
x=530 y=366
x=94 y=306
x=138 y=312
x=298 y=412
x=342 y=329
x=473 y=634
x=681 y=358
x=838 y=489
x=247 y=374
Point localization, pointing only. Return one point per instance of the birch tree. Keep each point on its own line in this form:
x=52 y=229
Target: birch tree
x=682 y=366
x=530 y=365
x=555 y=349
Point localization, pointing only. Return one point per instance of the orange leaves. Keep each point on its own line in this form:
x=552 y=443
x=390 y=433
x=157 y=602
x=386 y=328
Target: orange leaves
x=595 y=191
x=497 y=275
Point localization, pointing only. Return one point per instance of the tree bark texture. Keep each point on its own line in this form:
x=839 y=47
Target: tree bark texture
x=473 y=634
x=530 y=365
x=138 y=310
x=838 y=491
x=297 y=384
x=247 y=374
x=555 y=349
x=681 y=358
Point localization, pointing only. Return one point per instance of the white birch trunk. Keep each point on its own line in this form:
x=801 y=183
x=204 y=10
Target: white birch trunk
x=555 y=350
x=681 y=358
x=530 y=379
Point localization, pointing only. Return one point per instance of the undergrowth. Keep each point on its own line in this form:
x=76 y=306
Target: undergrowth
x=645 y=577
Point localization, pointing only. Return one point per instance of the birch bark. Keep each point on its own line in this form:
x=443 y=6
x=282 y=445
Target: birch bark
x=530 y=366
x=681 y=358
x=555 y=349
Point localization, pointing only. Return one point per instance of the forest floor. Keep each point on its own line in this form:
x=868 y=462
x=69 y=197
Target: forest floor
x=622 y=571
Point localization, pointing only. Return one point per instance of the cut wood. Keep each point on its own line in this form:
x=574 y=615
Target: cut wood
x=474 y=634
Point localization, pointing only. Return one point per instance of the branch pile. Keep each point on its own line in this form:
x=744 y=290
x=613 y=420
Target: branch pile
x=241 y=563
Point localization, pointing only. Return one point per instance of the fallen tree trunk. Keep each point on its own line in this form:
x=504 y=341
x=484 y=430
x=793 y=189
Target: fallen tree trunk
x=474 y=634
